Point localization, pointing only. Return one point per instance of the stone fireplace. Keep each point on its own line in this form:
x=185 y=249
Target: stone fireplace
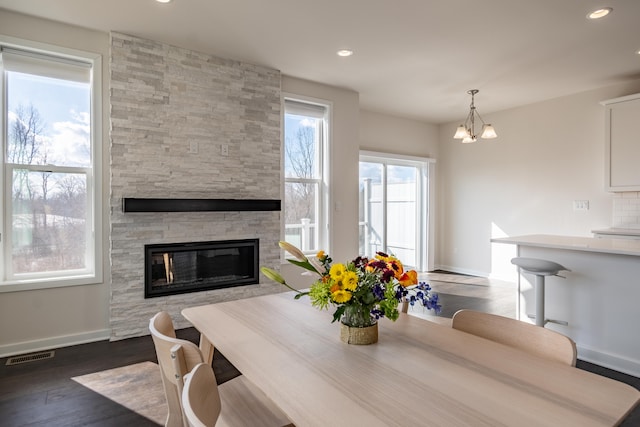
x=188 y=126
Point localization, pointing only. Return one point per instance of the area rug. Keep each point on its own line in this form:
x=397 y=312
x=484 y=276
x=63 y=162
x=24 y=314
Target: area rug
x=137 y=387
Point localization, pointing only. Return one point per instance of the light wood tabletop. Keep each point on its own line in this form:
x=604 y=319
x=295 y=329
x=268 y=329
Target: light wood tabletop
x=418 y=374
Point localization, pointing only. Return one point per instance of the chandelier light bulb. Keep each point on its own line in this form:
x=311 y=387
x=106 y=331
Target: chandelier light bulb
x=461 y=132
x=488 y=132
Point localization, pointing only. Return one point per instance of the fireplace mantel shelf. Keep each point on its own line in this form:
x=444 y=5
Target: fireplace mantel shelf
x=198 y=205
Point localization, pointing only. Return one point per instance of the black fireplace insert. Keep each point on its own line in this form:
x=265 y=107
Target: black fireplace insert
x=177 y=268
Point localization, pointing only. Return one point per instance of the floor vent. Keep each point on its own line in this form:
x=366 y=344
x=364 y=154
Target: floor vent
x=30 y=357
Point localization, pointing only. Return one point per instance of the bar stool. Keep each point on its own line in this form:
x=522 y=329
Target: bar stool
x=540 y=268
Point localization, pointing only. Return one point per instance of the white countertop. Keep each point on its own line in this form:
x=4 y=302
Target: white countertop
x=585 y=244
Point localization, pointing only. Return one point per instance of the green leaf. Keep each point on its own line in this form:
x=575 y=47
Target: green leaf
x=338 y=313
x=304 y=264
x=368 y=298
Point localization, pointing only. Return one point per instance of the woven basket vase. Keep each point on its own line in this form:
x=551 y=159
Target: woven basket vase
x=359 y=336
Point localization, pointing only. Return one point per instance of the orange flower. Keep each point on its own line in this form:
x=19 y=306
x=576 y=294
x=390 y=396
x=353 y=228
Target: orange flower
x=335 y=287
x=409 y=278
x=395 y=265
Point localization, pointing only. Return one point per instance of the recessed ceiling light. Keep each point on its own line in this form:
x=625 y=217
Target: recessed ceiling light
x=600 y=13
x=344 y=52
x=163 y=1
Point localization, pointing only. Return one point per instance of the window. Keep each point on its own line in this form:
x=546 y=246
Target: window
x=305 y=145
x=50 y=189
x=394 y=207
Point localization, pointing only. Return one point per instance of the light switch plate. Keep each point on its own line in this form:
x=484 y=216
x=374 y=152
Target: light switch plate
x=580 y=205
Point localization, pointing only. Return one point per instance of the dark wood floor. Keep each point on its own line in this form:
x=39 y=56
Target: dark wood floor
x=41 y=393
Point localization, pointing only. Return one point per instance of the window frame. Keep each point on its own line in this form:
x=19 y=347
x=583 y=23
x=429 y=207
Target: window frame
x=322 y=183
x=93 y=273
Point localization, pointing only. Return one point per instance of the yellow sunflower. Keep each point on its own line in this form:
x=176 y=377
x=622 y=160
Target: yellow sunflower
x=350 y=280
x=341 y=296
x=337 y=271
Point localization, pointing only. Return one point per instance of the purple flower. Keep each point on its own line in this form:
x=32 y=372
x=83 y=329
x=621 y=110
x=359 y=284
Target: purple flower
x=377 y=313
x=378 y=291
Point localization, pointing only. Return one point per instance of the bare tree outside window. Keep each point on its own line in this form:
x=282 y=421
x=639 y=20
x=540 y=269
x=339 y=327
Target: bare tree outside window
x=49 y=209
x=300 y=155
x=23 y=147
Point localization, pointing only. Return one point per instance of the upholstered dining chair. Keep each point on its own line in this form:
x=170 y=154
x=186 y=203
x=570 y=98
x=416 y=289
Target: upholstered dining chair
x=242 y=404
x=525 y=336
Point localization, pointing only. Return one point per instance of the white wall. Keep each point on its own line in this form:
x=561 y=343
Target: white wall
x=32 y=320
x=524 y=182
x=388 y=134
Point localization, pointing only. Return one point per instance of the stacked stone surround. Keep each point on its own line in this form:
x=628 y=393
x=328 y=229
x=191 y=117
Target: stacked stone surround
x=165 y=103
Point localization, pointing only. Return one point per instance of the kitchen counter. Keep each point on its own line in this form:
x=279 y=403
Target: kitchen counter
x=598 y=297
x=586 y=244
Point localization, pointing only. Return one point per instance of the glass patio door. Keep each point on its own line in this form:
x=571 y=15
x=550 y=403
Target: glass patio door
x=394 y=208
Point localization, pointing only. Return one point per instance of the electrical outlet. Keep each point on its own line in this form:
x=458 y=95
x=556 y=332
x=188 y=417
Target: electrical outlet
x=580 y=205
x=224 y=150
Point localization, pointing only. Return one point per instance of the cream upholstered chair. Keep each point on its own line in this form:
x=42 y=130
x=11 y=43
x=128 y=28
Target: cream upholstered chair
x=242 y=403
x=525 y=336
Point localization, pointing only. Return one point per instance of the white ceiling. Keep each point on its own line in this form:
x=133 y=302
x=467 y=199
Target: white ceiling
x=413 y=58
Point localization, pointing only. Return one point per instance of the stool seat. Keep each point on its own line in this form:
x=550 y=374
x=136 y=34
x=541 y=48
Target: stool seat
x=540 y=268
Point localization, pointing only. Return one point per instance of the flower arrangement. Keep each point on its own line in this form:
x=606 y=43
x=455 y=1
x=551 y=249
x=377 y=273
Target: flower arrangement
x=363 y=290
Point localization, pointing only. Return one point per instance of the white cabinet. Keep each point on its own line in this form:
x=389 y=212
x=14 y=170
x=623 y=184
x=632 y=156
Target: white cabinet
x=622 y=160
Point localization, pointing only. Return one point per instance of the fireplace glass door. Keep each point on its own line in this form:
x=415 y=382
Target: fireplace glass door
x=190 y=267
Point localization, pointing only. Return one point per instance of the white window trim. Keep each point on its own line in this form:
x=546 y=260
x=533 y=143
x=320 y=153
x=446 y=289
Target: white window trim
x=326 y=219
x=94 y=210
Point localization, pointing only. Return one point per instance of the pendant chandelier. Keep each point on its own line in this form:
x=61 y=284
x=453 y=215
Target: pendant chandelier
x=467 y=132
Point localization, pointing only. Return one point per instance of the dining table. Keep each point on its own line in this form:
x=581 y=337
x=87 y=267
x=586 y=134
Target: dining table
x=419 y=373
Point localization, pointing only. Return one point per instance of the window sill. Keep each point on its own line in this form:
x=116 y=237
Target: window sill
x=41 y=284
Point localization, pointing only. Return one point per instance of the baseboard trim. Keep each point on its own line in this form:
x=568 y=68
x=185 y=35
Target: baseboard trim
x=462 y=271
x=7 y=350
x=611 y=361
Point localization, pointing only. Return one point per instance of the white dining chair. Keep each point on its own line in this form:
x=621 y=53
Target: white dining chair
x=512 y=332
x=242 y=404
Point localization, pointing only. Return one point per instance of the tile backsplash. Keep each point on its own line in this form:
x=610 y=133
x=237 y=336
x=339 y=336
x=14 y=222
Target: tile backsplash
x=626 y=210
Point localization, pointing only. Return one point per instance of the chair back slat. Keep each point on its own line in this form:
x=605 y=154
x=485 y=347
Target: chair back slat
x=201 y=398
